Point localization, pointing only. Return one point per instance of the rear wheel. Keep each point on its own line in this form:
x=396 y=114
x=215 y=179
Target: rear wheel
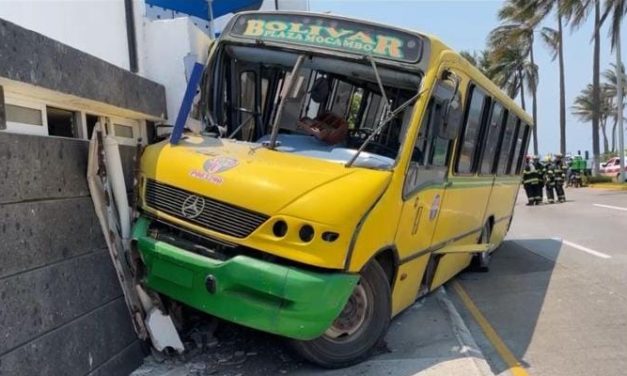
x=481 y=262
x=360 y=327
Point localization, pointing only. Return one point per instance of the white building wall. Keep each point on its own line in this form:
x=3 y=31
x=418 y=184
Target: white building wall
x=297 y=5
x=170 y=49
x=97 y=27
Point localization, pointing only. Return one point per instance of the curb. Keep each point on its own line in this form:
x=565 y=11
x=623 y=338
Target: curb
x=468 y=345
x=609 y=186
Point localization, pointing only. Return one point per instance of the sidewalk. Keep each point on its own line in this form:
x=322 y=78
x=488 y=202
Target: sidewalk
x=428 y=339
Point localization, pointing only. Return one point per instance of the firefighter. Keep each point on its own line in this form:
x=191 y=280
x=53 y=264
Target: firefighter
x=560 y=176
x=549 y=183
x=539 y=183
x=530 y=177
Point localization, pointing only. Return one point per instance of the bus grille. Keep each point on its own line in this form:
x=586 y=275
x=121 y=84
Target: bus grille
x=202 y=211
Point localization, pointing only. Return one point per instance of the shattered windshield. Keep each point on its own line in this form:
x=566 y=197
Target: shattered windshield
x=332 y=109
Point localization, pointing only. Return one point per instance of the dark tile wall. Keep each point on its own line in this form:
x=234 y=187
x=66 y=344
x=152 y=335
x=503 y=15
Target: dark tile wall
x=61 y=308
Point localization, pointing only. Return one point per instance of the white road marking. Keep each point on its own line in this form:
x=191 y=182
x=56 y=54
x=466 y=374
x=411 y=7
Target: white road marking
x=610 y=207
x=584 y=249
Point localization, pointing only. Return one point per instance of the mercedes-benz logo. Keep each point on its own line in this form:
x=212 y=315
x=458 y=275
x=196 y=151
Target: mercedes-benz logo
x=193 y=206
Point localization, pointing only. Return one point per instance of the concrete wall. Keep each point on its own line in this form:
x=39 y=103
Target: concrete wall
x=61 y=307
x=34 y=59
x=95 y=27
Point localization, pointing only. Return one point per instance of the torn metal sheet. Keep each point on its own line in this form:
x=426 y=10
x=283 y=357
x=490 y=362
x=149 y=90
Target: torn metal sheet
x=107 y=188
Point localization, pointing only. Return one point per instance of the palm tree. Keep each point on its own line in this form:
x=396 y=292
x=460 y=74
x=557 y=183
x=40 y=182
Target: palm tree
x=512 y=71
x=507 y=68
x=576 y=12
x=518 y=24
x=555 y=42
x=583 y=108
x=480 y=59
x=618 y=9
x=611 y=80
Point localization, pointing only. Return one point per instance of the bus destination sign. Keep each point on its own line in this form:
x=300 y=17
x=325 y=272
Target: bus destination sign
x=326 y=32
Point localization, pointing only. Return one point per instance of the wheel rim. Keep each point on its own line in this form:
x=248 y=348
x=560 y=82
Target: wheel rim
x=352 y=317
x=485 y=238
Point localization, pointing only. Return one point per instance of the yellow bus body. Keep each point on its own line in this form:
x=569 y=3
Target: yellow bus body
x=374 y=221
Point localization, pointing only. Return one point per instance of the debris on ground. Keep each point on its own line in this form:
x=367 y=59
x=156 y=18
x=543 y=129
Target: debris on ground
x=225 y=350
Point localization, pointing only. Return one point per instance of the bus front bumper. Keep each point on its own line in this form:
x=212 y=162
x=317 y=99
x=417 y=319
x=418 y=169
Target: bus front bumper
x=274 y=298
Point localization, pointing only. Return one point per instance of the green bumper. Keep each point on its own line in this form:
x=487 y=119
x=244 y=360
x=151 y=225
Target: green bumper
x=278 y=299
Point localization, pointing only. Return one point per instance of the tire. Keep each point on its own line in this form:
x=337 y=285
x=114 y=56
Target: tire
x=348 y=342
x=481 y=262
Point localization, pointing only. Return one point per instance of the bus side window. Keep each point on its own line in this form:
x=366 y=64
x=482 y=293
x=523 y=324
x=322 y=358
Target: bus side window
x=507 y=142
x=521 y=140
x=467 y=155
x=492 y=139
x=430 y=154
x=512 y=158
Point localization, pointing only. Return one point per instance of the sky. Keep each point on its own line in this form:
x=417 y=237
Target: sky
x=465 y=24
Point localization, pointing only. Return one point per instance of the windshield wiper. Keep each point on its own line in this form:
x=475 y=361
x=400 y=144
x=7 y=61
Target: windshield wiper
x=288 y=89
x=387 y=114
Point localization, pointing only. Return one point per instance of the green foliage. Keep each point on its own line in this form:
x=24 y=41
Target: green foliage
x=607 y=156
x=599 y=179
x=354 y=108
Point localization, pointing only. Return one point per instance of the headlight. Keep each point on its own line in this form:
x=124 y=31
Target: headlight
x=306 y=233
x=279 y=229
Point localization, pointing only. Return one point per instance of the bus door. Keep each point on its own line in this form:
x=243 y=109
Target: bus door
x=467 y=193
x=422 y=196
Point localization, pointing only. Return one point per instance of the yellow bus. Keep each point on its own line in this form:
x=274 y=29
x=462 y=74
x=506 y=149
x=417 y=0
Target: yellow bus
x=346 y=169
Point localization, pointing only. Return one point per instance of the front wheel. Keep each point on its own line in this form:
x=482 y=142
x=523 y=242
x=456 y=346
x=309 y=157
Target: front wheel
x=360 y=327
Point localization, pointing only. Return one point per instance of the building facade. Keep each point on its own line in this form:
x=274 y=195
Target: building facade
x=64 y=65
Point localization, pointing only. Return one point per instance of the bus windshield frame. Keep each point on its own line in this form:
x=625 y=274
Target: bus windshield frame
x=231 y=58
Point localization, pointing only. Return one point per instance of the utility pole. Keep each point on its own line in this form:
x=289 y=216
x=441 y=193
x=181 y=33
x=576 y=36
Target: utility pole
x=619 y=109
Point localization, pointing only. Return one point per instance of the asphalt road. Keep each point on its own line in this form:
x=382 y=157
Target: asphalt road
x=553 y=303
x=555 y=299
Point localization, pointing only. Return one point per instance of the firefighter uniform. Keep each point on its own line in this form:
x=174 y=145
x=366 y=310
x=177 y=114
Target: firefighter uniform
x=560 y=177
x=549 y=183
x=530 y=178
x=539 y=182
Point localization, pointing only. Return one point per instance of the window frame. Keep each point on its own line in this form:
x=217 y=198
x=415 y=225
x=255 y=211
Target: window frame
x=430 y=145
x=499 y=130
x=485 y=107
x=524 y=145
x=134 y=124
x=78 y=116
x=25 y=128
x=507 y=170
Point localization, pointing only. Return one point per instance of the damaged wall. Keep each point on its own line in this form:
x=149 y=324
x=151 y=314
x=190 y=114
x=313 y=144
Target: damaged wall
x=61 y=308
